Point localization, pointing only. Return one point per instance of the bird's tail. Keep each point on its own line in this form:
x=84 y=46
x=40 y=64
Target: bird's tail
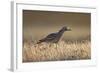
x=40 y=41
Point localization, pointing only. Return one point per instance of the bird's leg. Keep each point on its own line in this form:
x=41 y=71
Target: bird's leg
x=50 y=44
x=56 y=45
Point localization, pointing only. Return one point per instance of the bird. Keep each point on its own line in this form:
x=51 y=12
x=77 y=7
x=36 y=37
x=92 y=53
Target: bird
x=54 y=37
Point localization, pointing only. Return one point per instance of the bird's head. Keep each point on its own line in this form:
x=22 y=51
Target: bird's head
x=66 y=28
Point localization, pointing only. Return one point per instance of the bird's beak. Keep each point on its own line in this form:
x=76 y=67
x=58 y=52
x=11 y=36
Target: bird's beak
x=68 y=29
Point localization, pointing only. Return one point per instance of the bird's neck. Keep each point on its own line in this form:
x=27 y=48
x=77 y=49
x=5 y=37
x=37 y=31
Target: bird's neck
x=61 y=32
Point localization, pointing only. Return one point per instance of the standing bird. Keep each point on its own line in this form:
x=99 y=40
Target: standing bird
x=54 y=37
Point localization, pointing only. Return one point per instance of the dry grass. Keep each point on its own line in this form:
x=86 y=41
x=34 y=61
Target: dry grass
x=69 y=50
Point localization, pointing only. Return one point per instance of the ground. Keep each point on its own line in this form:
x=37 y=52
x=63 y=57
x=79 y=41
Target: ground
x=64 y=50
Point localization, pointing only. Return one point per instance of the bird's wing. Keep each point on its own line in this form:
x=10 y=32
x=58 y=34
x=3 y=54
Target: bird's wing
x=52 y=36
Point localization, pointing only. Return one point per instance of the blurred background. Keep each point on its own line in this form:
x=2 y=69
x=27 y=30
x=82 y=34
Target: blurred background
x=38 y=24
